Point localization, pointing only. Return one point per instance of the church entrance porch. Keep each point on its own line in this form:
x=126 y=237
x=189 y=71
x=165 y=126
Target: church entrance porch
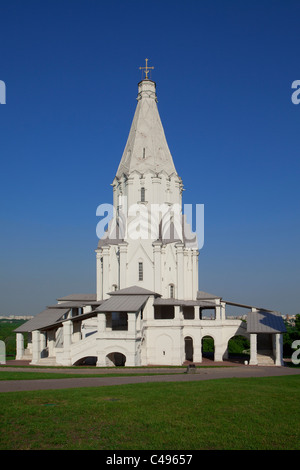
x=266 y=349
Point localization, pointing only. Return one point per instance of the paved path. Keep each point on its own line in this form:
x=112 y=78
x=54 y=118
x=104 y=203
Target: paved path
x=179 y=376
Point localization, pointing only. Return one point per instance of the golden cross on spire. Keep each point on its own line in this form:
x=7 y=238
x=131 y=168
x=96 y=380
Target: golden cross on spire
x=146 y=69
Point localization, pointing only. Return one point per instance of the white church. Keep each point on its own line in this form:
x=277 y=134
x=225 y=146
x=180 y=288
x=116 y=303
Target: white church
x=147 y=309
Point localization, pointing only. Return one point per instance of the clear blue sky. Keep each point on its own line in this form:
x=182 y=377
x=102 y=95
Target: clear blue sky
x=223 y=70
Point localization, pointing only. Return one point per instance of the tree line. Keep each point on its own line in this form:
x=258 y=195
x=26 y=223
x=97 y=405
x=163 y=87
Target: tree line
x=292 y=334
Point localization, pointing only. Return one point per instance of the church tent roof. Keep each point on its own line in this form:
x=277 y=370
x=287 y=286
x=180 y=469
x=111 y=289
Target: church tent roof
x=146 y=148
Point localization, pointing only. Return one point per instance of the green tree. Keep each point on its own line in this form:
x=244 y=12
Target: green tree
x=292 y=334
x=8 y=335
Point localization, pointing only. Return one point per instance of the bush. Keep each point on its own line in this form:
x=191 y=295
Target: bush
x=238 y=344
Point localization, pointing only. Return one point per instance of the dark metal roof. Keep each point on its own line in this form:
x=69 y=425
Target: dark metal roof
x=75 y=304
x=265 y=322
x=184 y=303
x=133 y=290
x=43 y=320
x=67 y=305
x=123 y=303
x=79 y=297
x=84 y=316
x=201 y=295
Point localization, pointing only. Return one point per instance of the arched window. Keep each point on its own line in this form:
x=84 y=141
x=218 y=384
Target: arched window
x=142 y=194
x=172 y=291
x=141 y=271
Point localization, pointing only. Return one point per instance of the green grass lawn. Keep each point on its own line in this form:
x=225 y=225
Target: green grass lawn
x=254 y=413
x=33 y=374
x=60 y=375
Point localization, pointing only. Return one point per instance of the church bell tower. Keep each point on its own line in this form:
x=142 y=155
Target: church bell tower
x=145 y=245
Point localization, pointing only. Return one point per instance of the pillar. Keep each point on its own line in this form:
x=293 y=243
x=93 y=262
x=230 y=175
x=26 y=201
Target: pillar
x=156 y=182
x=195 y=254
x=101 y=322
x=197 y=345
x=253 y=349
x=51 y=342
x=139 y=321
x=101 y=358
x=278 y=349
x=157 y=266
x=99 y=275
x=123 y=265
x=148 y=312
x=197 y=312
x=220 y=348
x=130 y=198
x=67 y=334
x=223 y=311
x=20 y=346
x=43 y=338
x=180 y=278
x=218 y=309
x=36 y=347
x=105 y=275
x=131 y=323
x=2 y=352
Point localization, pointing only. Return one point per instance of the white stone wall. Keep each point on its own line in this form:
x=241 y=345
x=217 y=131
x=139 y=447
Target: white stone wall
x=163 y=266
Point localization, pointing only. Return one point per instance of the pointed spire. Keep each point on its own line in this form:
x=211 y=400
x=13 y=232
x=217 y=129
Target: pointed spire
x=146 y=148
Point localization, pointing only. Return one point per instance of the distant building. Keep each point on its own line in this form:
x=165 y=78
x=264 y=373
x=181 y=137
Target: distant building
x=147 y=309
x=16 y=317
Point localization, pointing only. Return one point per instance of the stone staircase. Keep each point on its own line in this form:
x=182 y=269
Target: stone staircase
x=27 y=356
x=47 y=361
x=265 y=358
x=86 y=347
